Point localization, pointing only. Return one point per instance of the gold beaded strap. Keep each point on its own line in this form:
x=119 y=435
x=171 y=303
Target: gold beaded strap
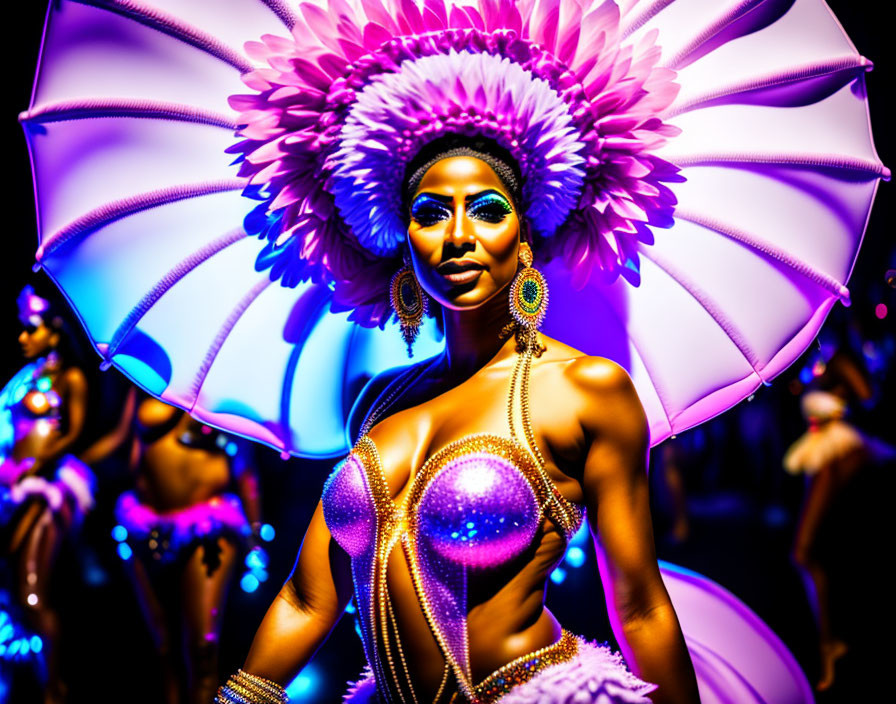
x=524 y=668
x=565 y=513
x=243 y=688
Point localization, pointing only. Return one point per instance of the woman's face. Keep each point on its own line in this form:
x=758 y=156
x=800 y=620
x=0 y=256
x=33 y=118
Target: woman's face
x=37 y=340
x=464 y=233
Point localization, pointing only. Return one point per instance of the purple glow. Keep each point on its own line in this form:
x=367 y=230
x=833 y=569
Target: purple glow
x=31 y=307
x=220 y=514
x=348 y=508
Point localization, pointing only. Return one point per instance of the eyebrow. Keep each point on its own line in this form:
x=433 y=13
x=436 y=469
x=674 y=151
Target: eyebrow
x=448 y=199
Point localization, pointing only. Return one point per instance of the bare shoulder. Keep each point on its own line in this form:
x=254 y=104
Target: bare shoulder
x=600 y=375
x=74 y=380
x=610 y=405
x=371 y=392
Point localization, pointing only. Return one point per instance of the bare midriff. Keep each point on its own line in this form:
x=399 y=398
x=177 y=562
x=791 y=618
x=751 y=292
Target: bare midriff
x=506 y=616
x=502 y=624
x=173 y=475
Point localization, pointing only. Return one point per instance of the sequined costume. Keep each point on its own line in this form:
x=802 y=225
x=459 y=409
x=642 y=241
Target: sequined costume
x=646 y=133
x=474 y=505
x=168 y=537
x=28 y=404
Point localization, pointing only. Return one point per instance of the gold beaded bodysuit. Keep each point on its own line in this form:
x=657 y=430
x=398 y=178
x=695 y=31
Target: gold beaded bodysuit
x=474 y=505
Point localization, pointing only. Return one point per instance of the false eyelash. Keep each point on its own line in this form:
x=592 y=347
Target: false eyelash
x=491 y=207
x=428 y=214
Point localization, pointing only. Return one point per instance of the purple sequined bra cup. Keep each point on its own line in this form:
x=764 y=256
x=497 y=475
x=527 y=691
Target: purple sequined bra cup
x=476 y=510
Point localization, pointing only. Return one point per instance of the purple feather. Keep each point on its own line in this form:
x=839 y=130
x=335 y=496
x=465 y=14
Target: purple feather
x=552 y=80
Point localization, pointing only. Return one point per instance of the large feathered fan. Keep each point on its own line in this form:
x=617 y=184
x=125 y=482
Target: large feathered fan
x=712 y=230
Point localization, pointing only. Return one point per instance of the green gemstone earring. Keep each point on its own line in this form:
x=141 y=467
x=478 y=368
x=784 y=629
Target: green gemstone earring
x=528 y=300
x=409 y=303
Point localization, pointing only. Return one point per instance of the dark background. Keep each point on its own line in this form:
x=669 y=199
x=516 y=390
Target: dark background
x=742 y=506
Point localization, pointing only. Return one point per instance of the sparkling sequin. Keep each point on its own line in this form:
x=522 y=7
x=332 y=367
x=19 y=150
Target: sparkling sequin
x=486 y=488
x=348 y=507
x=475 y=503
x=479 y=511
x=528 y=297
x=523 y=669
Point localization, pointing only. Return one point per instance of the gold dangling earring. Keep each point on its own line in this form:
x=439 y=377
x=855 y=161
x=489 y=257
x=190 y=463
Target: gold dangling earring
x=409 y=303
x=528 y=302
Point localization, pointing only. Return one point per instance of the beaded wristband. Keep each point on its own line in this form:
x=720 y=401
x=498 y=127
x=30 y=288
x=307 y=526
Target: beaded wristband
x=243 y=688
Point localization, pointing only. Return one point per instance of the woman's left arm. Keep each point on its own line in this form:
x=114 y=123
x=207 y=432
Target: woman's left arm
x=616 y=495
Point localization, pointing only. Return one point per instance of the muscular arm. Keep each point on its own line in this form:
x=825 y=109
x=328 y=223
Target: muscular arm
x=314 y=597
x=616 y=494
x=306 y=609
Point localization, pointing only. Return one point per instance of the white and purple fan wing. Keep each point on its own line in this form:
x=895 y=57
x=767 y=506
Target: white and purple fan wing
x=141 y=214
x=728 y=268
x=778 y=175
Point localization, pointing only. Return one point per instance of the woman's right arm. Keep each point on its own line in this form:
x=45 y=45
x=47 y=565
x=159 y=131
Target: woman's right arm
x=315 y=596
x=306 y=609
x=109 y=443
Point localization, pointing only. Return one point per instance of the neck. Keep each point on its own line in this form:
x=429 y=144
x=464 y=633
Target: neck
x=52 y=362
x=473 y=337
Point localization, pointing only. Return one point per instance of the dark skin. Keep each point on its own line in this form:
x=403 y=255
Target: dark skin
x=37 y=534
x=845 y=379
x=170 y=476
x=588 y=423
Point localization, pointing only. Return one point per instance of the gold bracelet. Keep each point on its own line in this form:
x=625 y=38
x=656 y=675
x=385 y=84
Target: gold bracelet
x=245 y=688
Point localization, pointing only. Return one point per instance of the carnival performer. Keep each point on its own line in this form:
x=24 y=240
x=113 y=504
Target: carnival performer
x=44 y=490
x=830 y=454
x=454 y=148
x=184 y=530
x=469 y=477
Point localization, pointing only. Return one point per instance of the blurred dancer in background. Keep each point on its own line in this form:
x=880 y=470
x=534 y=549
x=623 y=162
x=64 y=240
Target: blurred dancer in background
x=183 y=530
x=44 y=490
x=831 y=454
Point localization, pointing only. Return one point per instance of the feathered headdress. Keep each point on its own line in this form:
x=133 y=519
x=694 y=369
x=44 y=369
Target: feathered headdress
x=349 y=99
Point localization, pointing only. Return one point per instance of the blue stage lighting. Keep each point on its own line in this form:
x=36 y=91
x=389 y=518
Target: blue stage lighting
x=576 y=556
x=249 y=583
x=256 y=560
x=305 y=686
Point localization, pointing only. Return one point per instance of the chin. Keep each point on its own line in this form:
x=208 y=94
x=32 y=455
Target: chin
x=467 y=299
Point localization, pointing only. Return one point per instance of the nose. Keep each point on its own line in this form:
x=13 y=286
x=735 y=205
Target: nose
x=460 y=236
x=23 y=337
